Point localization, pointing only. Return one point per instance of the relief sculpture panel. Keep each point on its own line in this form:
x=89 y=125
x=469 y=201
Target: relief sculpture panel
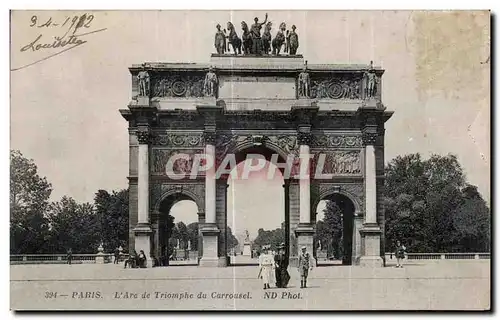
x=337 y=86
x=180 y=165
x=339 y=162
x=178 y=86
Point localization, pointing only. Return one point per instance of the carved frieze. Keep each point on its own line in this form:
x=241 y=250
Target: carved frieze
x=337 y=86
x=178 y=86
x=180 y=165
x=178 y=140
x=339 y=162
x=287 y=143
x=336 y=141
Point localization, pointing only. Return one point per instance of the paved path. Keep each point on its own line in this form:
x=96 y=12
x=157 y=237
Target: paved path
x=447 y=285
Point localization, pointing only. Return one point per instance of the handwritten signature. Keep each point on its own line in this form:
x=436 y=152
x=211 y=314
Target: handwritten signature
x=68 y=40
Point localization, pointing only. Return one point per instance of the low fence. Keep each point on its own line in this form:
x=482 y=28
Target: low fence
x=442 y=256
x=193 y=255
x=60 y=258
x=86 y=258
x=322 y=256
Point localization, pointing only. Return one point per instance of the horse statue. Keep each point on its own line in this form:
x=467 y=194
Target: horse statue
x=279 y=39
x=266 y=38
x=246 y=38
x=294 y=41
x=233 y=39
x=220 y=41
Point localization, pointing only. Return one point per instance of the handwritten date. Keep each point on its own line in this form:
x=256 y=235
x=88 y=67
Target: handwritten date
x=75 y=22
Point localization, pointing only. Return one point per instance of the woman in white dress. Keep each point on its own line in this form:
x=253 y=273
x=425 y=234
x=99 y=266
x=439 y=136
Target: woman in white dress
x=266 y=264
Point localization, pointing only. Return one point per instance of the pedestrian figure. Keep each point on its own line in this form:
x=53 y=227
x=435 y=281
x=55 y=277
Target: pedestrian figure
x=69 y=256
x=304 y=266
x=117 y=256
x=141 y=259
x=132 y=260
x=400 y=254
x=281 y=261
x=266 y=264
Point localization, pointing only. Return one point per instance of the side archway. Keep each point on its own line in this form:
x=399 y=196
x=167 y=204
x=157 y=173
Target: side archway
x=163 y=225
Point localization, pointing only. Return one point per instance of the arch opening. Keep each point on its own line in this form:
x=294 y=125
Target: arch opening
x=177 y=240
x=334 y=237
x=255 y=204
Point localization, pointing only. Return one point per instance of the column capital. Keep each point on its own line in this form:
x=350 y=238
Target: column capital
x=304 y=138
x=143 y=134
x=369 y=138
x=209 y=137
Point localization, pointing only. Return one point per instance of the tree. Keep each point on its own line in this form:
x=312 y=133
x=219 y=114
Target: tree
x=192 y=229
x=329 y=230
x=183 y=235
x=472 y=223
x=231 y=239
x=269 y=237
x=112 y=212
x=430 y=207
x=29 y=200
x=73 y=225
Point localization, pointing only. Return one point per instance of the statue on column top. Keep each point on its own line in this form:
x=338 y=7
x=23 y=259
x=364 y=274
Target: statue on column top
x=143 y=78
x=370 y=82
x=304 y=83
x=210 y=84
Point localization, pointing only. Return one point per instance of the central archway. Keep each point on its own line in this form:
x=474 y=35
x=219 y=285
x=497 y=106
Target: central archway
x=255 y=203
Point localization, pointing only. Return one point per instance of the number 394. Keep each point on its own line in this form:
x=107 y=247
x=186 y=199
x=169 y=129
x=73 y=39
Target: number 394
x=50 y=295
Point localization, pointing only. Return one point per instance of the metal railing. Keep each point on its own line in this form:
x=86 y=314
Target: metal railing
x=443 y=256
x=61 y=258
x=109 y=257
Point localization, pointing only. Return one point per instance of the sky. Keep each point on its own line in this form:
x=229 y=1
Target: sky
x=64 y=110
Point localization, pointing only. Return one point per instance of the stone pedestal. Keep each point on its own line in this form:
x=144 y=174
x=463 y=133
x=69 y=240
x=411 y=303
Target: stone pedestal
x=247 y=250
x=210 y=234
x=143 y=241
x=305 y=237
x=142 y=101
x=370 y=244
x=100 y=255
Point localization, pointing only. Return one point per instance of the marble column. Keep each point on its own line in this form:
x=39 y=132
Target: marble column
x=305 y=229
x=143 y=231
x=209 y=229
x=370 y=232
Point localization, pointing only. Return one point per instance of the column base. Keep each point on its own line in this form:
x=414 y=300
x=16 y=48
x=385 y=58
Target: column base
x=305 y=238
x=210 y=234
x=371 y=262
x=370 y=243
x=143 y=101
x=143 y=233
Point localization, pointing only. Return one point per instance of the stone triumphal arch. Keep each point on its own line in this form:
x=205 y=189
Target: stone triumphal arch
x=264 y=104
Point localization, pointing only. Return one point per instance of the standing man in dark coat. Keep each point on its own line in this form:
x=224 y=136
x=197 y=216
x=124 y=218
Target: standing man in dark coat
x=304 y=266
x=69 y=256
x=117 y=256
x=281 y=260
